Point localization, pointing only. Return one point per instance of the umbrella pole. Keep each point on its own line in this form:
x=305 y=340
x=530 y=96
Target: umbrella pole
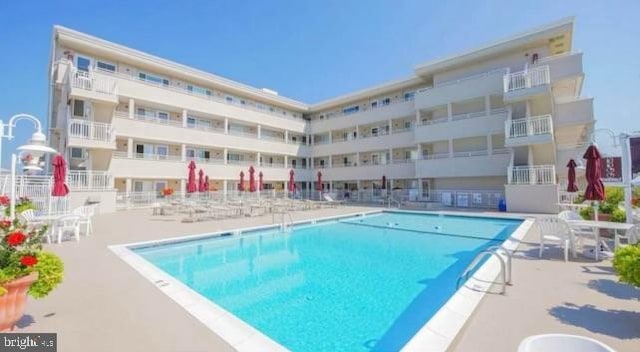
x=595 y=210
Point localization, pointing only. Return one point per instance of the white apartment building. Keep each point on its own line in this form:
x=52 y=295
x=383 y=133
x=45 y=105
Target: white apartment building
x=498 y=121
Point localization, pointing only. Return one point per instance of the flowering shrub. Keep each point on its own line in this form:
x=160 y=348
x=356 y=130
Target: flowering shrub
x=626 y=262
x=21 y=254
x=22 y=204
x=167 y=191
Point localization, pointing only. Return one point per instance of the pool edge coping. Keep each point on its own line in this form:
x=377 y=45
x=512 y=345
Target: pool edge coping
x=439 y=331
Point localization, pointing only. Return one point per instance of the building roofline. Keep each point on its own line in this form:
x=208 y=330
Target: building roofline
x=493 y=48
x=179 y=68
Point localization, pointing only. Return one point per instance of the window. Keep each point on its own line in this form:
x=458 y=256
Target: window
x=407 y=124
x=190 y=153
x=106 y=66
x=204 y=154
x=386 y=101
x=78 y=108
x=198 y=90
x=153 y=79
x=235 y=157
x=374 y=131
x=83 y=63
x=351 y=109
x=322 y=163
x=191 y=122
x=293 y=163
x=77 y=153
x=345 y=160
x=407 y=154
x=162 y=151
x=374 y=104
x=228 y=99
x=409 y=95
x=163 y=116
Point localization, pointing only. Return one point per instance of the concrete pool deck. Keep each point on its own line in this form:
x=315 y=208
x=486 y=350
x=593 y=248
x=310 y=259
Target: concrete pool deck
x=105 y=305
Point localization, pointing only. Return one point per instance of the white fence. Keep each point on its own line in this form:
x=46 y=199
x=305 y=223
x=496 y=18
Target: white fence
x=94 y=131
x=93 y=81
x=38 y=190
x=531 y=126
x=534 y=175
x=526 y=79
x=89 y=180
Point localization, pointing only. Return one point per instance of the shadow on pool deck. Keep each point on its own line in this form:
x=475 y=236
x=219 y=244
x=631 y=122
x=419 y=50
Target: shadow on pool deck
x=615 y=289
x=598 y=320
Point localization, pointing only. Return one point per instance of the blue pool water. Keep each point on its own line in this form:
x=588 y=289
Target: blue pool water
x=358 y=284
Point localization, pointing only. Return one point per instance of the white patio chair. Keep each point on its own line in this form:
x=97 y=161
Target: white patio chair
x=555 y=230
x=580 y=232
x=630 y=236
x=67 y=223
x=85 y=214
x=562 y=343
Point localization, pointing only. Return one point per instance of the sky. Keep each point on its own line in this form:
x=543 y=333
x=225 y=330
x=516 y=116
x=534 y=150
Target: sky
x=314 y=50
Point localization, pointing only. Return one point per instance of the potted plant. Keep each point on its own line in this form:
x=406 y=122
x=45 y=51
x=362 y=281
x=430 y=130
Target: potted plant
x=626 y=262
x=609 y=209
x=167 y=192
x=25 y=268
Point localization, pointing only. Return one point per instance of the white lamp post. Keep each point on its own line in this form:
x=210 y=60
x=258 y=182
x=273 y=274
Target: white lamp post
x=36 y=148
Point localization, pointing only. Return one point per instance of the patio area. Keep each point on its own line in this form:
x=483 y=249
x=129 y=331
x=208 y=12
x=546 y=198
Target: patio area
x=105 y=305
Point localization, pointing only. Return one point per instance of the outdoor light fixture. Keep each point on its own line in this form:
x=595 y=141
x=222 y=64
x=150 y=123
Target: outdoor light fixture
x=32 y=152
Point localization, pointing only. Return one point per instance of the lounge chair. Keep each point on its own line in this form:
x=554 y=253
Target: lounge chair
x=562 y=343
x=332 y=201
x=553 y=229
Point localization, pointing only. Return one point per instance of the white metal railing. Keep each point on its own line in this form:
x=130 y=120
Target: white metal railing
x=470 y=77
x=434 y=121
x=436 y=156
x=272 y=165
x=471 y=153
x=94 y=131
x=93 y=81
x=528 y=78
x=403 y=161
x=530 y=126
x=89 y=180
x=532 y=174
x=402 y=130
x=497 y=151
x=468 y=115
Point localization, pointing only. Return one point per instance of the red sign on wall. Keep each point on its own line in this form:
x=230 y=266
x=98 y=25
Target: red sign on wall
x=611 y=169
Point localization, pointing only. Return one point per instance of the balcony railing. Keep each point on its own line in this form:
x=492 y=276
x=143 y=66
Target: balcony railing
x=92 y=81
x=530 y=126
x=471 y=153
x=89 y=180
x=526 y=79
x=532 y=175
x=93 y=131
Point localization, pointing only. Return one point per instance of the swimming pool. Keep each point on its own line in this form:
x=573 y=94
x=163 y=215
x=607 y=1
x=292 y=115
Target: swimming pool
x=365 y=283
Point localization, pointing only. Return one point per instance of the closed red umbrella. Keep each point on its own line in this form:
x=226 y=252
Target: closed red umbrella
x=319 y=182
x=241 y=184
x=206 y=183
x=201 y=181
x=60 y=188
x=571 y=176
x=191 y=181
x=292 y=186
x=252 y=179
x=593 y=174
x=260 y=184
x=384 y=182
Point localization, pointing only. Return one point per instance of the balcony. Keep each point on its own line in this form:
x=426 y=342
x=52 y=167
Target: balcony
x=89 y=180
x=339 y=121
x=365 y=143
x=530 y=130
x=92 y=85
x=486 y=83
x=574 y=112
x=169 y=131
x=464 y=164
x=462 y=126
x=153 y=166
x=401 y=168
x=532 y=175
x=88 y=134
x=526 y=84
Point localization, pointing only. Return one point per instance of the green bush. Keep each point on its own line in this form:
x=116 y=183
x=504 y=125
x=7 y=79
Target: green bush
x=614 y=195
x=626 y=262
x=587 y=213
x=618 y=215
x=49 y=268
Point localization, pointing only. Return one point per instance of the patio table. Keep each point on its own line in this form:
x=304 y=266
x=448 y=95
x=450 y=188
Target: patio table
x=597 y=225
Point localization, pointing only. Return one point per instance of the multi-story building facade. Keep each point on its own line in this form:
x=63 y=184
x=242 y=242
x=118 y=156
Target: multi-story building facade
x=499 y=121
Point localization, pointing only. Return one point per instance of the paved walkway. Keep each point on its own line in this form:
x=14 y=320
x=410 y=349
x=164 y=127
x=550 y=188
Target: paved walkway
x=104 y=305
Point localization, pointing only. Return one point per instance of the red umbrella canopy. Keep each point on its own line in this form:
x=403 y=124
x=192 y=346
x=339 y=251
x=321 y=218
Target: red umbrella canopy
x=595 y=188
x=206 y=183
x=571 y=177
x=241 y=184
x=252 y=179
x=60 y=189
x=260 y=185
x=292 y=185
x=191 y=181
x=319 y=182
x=201 y=181
x=384 y=182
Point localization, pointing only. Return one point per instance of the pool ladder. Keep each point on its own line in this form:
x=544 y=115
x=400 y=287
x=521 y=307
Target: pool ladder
x=505 y=265
x=283 y=220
